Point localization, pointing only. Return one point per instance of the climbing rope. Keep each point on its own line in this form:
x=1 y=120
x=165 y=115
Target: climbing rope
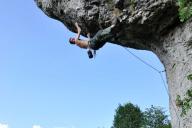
x=160 y=72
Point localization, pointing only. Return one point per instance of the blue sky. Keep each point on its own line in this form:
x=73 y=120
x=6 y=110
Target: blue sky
x=47 y=83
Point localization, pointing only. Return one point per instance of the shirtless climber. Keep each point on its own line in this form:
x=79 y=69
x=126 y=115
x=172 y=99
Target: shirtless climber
x=101 y=37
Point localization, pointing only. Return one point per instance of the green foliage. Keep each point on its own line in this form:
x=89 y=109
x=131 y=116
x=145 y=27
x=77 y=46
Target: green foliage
x=132 y=4
x=174 y=65
x=179 y=102
x=110 y=3
x=185 y=9
x=167 y=125
x=189 y=77
x=128 y=116
x=186 y=103
x=155 y=117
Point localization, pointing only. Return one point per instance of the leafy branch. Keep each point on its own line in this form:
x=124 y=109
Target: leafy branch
x=185 y=9
x=185 y=104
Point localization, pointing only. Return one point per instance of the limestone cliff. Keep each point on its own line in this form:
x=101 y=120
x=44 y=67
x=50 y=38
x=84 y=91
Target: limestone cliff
x=146 y=24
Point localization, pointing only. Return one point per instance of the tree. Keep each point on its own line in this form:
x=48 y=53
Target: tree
x=128 y=116
x=155 y=117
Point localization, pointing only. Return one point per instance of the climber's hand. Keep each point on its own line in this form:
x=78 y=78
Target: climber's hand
x=88 y=35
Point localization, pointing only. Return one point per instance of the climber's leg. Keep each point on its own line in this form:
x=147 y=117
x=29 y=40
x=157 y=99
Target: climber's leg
x=101 y=37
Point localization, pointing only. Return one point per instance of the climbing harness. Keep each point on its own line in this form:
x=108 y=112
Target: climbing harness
x=160 y=72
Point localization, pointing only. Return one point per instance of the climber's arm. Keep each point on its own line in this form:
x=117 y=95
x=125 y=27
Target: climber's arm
x=78 y=42
x=78 y=31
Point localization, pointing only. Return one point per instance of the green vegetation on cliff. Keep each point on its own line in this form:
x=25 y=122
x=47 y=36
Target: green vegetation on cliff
x=185 y=9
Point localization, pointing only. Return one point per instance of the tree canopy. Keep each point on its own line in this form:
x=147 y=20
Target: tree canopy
x=130 y=116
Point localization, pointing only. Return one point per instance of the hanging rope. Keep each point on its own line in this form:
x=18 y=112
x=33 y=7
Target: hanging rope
x=160 y=72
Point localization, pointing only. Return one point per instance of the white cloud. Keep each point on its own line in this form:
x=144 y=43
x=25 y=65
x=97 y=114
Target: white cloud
x=35 y=126
x=3 y=125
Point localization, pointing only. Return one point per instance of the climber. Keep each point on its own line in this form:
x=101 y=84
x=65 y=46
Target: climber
x=101 y=37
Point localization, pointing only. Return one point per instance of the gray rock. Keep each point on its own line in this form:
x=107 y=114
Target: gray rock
x=147 y=25
x=119 y=4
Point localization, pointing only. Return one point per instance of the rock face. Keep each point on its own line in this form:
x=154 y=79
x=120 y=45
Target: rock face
x=145 y=24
